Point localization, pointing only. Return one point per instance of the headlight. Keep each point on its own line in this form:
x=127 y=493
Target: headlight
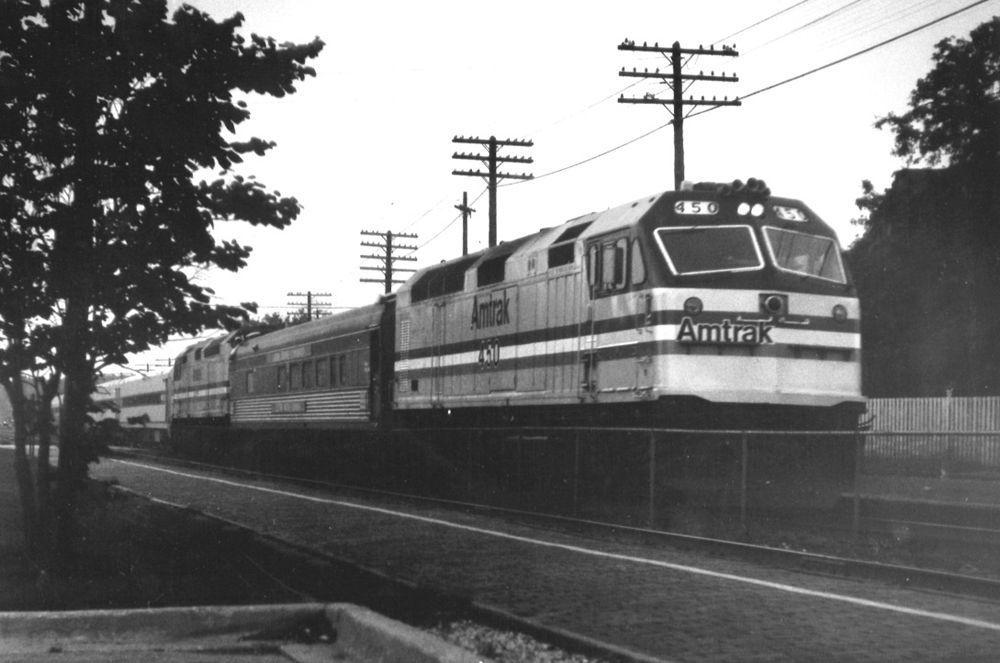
x=693 y=306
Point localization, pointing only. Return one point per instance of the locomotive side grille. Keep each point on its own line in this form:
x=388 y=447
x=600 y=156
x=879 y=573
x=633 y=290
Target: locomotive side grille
x=333 y=406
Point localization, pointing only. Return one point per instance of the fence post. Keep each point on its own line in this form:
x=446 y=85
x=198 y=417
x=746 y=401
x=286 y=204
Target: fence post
x=744 y=471
x=576 y=472
x=859 y=455
x=652 y=478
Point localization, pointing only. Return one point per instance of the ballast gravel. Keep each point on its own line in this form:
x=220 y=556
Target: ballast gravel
x=505 y=646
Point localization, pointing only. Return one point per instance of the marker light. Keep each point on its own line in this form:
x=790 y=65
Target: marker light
x=774 y=304
x=743 y=209
x=693 y=306
x=840 y=313
x=757 y=210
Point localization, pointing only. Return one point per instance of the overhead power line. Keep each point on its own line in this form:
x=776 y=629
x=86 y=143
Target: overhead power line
x=870 y=48
x=768 y=88
x=762 y=21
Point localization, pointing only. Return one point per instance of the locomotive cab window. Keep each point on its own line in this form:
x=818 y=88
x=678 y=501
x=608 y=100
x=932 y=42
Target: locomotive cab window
x=638 y=264
x=809 y=255
x=709 y=249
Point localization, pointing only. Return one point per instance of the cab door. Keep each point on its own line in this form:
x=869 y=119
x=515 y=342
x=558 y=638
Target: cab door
x=615 y=343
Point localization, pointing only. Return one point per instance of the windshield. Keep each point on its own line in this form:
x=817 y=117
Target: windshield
x=707 y=249
x=809 y=255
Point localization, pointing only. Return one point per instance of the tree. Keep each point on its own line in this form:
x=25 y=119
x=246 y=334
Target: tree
x=954 y=115
x=928 y=264
x=113 y=110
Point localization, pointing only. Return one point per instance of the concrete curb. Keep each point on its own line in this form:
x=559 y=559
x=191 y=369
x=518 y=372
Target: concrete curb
x=354 y=632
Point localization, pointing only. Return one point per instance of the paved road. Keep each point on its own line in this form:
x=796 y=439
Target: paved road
x=666 y=603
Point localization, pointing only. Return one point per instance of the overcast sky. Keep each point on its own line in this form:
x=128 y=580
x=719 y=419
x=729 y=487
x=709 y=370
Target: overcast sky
x=366 y=144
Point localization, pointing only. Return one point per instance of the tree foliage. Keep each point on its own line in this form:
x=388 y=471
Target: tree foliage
x=111 y=112
x=954 y=116
x=928 y=264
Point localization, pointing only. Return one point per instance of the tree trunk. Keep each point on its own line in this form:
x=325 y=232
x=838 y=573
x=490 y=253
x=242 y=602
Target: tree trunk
x=22 y=466
x=72 y=469
x=43 y=473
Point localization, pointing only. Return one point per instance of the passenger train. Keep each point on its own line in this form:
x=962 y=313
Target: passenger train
x=715 y=306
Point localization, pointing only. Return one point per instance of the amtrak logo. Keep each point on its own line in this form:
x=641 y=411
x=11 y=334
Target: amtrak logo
x=756 y=333
x=492 y=312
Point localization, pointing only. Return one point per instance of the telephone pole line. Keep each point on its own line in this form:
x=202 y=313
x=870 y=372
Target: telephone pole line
x=388 y=258
x=466 y=213
x=492 y=145
x=309 y=294
x=675 y=79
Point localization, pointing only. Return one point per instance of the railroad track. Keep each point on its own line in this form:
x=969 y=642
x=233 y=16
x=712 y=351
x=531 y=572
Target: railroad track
x=814 y=562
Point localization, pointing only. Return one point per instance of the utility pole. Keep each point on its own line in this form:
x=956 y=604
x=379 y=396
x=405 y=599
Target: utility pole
x=675 y=79
x=492 y=175
x=466 y=213
x=388 y=259
x=309 y=301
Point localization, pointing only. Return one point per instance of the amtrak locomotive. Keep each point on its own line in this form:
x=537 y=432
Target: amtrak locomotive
x=716 y=306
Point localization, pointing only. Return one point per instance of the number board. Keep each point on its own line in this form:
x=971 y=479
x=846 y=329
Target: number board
x=696 y=207
x=790 y=213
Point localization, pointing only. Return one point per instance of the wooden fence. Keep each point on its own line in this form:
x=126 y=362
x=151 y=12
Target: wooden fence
x=933 y=436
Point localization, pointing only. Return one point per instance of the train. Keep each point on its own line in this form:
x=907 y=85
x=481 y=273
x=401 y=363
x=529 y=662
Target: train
x=714 y=306
x=138 y=404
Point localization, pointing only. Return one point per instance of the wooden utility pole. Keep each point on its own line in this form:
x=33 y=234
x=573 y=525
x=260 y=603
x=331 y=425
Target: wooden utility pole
x=309 y=294
x=388 y=259
x=466 y=213
x=675 y=79
x=492 y=175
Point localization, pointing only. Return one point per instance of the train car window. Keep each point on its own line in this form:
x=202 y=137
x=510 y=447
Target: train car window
x=295 y=376
x=638 y=264
x=321 y=373
x=307 y=374
x=708 y=249
x=197 y=354
x=282 y=377
x=809 y=255
x=250 y=382
x=342 y=369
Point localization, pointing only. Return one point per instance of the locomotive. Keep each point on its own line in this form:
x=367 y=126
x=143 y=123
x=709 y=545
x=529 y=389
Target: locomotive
x=715 y=306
